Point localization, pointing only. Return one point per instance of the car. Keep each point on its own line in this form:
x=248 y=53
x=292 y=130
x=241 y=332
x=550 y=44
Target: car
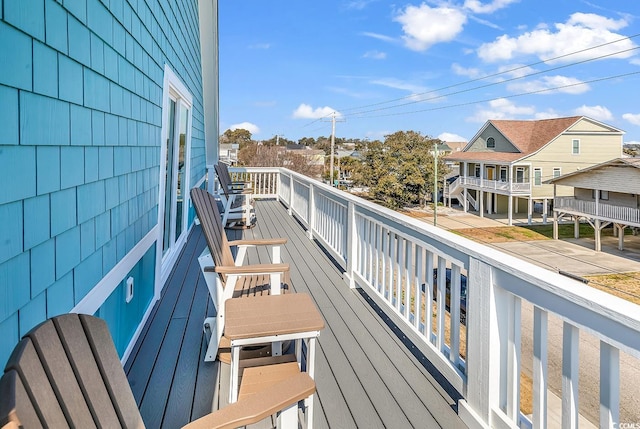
x=463 y=292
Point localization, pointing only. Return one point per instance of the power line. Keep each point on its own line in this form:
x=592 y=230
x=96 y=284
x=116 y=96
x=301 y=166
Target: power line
x=510 y=71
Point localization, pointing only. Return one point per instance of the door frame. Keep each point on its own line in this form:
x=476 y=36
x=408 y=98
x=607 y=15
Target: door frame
x=173 y=89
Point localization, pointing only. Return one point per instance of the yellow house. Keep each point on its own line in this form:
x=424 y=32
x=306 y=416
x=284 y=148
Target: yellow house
x=504 y=166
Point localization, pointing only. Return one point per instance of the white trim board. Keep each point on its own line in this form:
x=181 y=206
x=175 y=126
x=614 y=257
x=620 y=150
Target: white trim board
x=93 y=300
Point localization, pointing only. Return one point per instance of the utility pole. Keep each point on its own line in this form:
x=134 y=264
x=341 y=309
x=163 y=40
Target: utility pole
x=333 y=138
x=278 y=139
x=435 y=185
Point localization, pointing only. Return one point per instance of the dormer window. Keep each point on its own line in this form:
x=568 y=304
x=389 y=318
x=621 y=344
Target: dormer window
x=491 y=143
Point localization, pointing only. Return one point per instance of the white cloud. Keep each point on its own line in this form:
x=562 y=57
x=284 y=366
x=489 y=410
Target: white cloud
x=305 y=111
x=379 y=36
x=633 y=118
x=375 y=55
x=546 y=85
x=580 y=32
x=451 y=137
x=425 y=26
x=399 y=84
x=476 y=6
x=600 y=113
x=463 y=71
x=549 y=114
x=501 y=109
x=252 y=128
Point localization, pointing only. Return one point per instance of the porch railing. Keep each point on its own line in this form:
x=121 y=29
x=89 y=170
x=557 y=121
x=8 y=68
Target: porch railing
x=496 y=185
x=394 y=258
x=601 y=210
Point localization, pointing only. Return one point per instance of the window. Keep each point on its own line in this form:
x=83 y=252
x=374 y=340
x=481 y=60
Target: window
x=537 y=176
x=575 y=147
x=477 y=171
x=491 y=142
x=604 y=195
x=519 y=174
x=557 y=172
x=503 y=174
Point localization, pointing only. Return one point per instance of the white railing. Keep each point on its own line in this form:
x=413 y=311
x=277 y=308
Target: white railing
x=478 y=346
x=602 y=211
x=496 y=185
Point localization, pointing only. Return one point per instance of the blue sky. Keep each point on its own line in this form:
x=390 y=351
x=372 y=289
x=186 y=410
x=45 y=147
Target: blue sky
x=440 y=68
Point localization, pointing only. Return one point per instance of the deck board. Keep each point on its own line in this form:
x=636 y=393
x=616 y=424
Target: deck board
x=365 y=375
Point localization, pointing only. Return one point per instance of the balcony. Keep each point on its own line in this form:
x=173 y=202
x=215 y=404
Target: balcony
x=390 y=355
x=498 y=186
x=602 y=211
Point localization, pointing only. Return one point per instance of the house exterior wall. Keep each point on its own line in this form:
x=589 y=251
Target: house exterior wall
x=597 y=144
x=81 y=87
x=621 y=199
x=608 y=178
x=502 y=144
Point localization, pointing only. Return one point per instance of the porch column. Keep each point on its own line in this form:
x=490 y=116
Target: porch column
x=576 y=227
x=510 y=209
x=555 y=225
x=529 y=210
x=465 y=202
x=621 y=237
x=598 y=231
x=489 y=202
x=544 y=211
x=481 y=202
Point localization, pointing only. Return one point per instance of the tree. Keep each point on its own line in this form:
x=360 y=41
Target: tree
x=238 y=136
x=399 y=172
x=301 y=161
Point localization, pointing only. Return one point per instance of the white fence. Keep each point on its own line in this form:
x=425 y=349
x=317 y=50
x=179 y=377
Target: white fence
x=393 y=258
x=601 y=210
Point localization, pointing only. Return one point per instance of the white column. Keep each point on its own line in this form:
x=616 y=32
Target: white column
x=570 y=341
x=540 y=332
x=510 y=210
x=529 y=210
x=620 y=237
x=545 y=203
x=598 y=231
x=481 y=203
x=609 y=385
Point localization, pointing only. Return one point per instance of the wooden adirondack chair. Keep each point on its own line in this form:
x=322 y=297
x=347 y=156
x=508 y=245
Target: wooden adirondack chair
x=236 y=184
x=225 y=276
x=236 y=199
x=66 y=373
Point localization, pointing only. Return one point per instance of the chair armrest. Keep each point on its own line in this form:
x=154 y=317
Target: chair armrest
x=258 y=406
x=258 y=242
x=252 y=269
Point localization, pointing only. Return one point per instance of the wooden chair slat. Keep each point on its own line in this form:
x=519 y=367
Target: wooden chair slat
x=16 y=408
x=78 y=350
x=115 y=379
x=61 y=375
x=26 y=362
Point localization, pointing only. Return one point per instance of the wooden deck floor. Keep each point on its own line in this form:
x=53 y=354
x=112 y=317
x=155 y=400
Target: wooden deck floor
x=366 y=376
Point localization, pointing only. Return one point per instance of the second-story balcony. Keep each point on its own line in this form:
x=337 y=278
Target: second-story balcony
x=498 y=186
x=395 y=352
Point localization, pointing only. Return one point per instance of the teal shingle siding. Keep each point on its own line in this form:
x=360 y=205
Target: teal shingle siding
x=9 y=124
x=81 y=86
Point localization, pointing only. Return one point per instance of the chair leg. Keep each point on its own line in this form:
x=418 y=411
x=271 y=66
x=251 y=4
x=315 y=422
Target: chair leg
x=288 y=418
x=210 y=328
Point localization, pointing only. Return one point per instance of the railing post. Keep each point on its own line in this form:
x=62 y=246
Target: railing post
x=291 y=194
x=312 y=211
x=352 y=236
x=609 y=385
x=486 y=319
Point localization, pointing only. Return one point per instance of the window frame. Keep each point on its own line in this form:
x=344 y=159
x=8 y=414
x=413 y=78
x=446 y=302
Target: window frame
x=493 y=145
x=558 y=170
x=537 y=176
x=575 y=147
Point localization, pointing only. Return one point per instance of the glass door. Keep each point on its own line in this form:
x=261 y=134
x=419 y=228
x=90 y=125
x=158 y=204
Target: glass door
x=175 y=174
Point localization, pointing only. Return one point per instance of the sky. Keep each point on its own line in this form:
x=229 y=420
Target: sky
x=442 y=68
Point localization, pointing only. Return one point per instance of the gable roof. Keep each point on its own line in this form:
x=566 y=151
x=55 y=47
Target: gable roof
x=527 y=137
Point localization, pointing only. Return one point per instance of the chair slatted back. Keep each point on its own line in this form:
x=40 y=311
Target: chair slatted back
x=207 y=210
x=66 y=373
x=224 y=179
